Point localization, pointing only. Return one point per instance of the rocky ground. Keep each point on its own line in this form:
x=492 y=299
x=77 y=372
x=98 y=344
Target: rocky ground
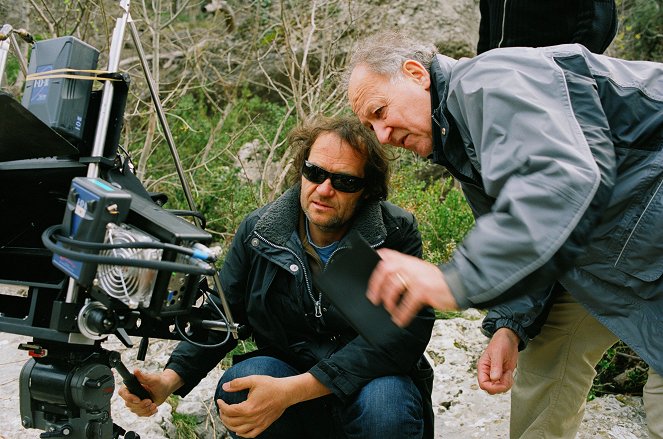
x=463 y=410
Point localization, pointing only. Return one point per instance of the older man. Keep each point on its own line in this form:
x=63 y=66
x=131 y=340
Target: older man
x=559 y=153
x=312 y=375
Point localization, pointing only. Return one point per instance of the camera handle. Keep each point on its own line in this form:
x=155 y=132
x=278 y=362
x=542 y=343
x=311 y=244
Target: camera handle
x=130 y=380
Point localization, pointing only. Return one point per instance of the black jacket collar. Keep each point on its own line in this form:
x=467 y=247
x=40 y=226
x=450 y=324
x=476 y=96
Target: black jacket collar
x=280 y=219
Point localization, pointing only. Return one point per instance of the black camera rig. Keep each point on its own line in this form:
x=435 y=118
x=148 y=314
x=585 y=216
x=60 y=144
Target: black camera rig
x=96 y=253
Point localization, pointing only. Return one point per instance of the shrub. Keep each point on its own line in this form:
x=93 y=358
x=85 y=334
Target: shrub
x=443 y=215
x=620 y=371
x=640 y=34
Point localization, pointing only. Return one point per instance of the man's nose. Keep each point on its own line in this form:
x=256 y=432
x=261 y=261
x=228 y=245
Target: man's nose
x=382 y=132
x=325 y=188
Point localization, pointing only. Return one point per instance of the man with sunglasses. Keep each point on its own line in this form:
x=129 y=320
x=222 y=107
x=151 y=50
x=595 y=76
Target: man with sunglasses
x=312 y=376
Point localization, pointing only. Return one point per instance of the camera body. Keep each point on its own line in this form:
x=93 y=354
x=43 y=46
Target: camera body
x=43 y=181
x=84 y=257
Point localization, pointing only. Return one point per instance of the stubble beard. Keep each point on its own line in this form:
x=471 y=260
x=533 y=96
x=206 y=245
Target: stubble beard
x=332 y=225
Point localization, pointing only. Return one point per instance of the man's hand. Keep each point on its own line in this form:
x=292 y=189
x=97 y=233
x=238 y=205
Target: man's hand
x=160 y=386
x=404 y=284
x=496 y=365
x=268 y=398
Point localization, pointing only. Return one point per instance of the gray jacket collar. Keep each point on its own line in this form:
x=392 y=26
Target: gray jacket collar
x=448 y=146
x=440 y=72
x=280 y=219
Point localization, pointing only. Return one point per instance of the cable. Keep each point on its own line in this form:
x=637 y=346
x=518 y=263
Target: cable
x=202 y=345
x=108 y=260
x=198 y=254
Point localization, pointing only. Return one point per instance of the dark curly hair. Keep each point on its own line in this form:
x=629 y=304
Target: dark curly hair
x=377 y=170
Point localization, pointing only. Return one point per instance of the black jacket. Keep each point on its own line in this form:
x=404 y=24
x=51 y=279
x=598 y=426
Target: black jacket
x=537 y=23
x=267 y=281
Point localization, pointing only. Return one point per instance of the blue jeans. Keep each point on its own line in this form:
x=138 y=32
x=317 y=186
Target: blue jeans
x=388 y=407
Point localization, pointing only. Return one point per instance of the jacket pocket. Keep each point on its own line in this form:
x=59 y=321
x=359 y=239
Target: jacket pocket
x=641 y=255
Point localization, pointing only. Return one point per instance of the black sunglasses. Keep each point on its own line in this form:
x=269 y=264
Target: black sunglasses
x=340 y=182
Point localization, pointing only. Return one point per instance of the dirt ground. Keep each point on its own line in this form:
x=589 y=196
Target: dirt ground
x=463 y=411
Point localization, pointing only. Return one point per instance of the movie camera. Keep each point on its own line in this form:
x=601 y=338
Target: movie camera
x=93 y=251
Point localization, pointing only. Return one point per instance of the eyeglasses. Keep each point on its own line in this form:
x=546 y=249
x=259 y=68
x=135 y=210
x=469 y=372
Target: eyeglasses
x=340 y=182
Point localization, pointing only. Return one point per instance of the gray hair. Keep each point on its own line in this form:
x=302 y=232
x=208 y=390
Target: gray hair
x=385 y=52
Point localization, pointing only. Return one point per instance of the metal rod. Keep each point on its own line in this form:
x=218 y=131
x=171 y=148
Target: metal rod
x=224 y=303
x=176 y=157
x=117 y=41
x=17 y=51
x=216 y=325
x=162 y=118
x=5 y=31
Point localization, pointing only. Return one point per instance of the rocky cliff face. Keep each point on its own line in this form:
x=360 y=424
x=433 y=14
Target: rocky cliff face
x=452 y=25
x=14 y=13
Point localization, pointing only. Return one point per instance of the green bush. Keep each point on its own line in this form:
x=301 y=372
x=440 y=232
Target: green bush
x=620 y=371
x=640 y=34
x=220 y=193
x=185 y=426
x=11 y=70
x=243 y=347
x=443 y=215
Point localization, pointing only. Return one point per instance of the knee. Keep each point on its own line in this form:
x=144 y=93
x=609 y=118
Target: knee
x=388 y=407
x=230 y=397
x=251 y=366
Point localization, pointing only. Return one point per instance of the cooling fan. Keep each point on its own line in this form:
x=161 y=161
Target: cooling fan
x=126 y=248
x=131 y=285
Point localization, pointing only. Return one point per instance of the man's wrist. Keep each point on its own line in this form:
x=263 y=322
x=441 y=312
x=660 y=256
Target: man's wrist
x=306 y=387
x=172 y=380
x=507 y=333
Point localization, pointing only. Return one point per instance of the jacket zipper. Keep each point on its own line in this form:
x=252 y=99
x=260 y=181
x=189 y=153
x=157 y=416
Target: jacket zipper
x=503 y=23
x=316 y=303
x=630 y=235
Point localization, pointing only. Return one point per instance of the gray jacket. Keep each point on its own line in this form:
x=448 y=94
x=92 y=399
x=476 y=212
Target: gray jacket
x=560 y=155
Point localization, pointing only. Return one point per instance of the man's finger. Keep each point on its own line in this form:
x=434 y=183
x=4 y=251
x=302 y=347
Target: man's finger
x=407 y=308
x=232 y=410
x=494 y=388
x=496 y=371
x=238 y=384
x=375 y=288
x=483 y=371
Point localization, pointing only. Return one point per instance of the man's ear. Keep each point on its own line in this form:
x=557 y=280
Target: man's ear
x=417 y=72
